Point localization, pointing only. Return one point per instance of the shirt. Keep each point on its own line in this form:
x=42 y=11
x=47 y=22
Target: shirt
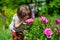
x=21 y=28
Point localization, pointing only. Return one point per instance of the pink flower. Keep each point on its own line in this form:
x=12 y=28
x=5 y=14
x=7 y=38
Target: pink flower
x=48 y=32
x=44 y=19
x=59 y=31
x=59 y=38
x=29 y=21
x=57 y=21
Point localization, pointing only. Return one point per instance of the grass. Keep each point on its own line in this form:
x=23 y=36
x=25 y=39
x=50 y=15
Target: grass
x=5 y=35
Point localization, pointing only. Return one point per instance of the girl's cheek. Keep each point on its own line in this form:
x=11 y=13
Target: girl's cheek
x=27 y=17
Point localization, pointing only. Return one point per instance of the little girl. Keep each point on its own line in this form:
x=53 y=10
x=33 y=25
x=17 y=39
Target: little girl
x=17 y=25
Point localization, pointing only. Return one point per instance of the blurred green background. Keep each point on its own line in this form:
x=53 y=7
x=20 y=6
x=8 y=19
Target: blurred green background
x=48 y=8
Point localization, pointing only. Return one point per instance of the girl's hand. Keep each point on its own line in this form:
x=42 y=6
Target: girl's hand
x=24 y=23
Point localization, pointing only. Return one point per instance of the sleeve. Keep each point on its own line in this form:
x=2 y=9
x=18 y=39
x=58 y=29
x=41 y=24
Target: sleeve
x=12 y=23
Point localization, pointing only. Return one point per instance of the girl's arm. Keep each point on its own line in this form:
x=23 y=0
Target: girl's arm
x=18 y=24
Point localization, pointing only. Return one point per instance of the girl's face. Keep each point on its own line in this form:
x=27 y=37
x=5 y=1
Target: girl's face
x=26 y=17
